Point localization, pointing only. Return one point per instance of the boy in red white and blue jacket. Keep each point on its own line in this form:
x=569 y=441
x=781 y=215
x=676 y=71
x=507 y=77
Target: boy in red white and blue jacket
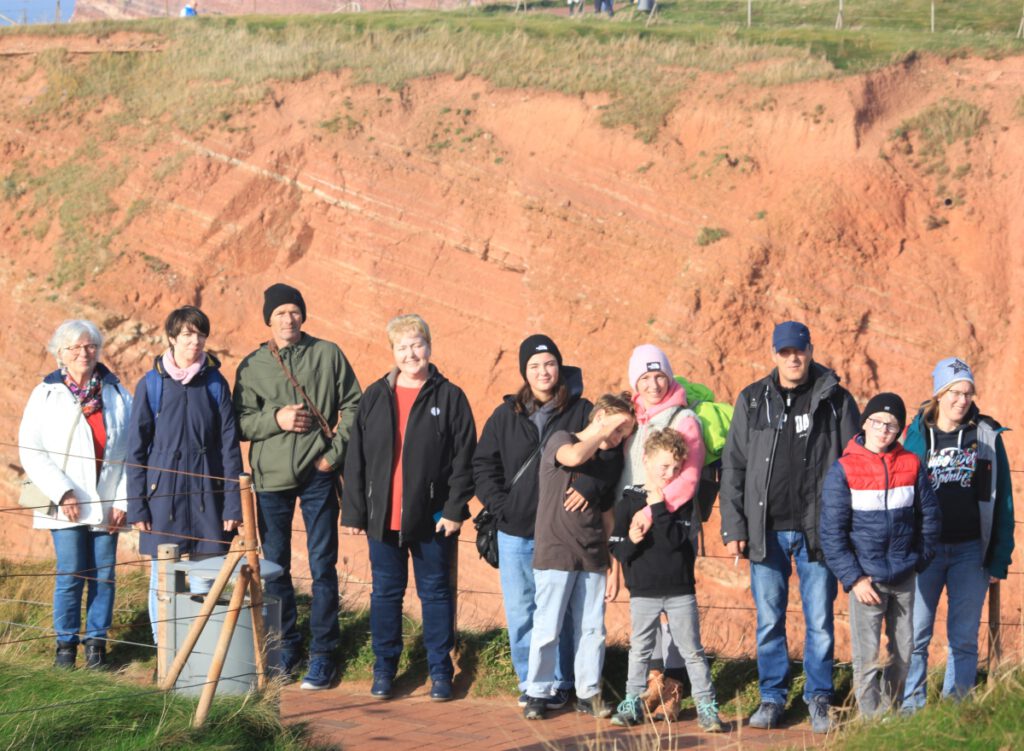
x=879 y=526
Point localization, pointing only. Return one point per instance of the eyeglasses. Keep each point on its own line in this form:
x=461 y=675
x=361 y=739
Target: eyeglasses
x=956 y=395
x=79 y=348
x=886 y=427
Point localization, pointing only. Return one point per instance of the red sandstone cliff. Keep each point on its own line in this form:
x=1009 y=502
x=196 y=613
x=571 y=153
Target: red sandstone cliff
x=538 y=218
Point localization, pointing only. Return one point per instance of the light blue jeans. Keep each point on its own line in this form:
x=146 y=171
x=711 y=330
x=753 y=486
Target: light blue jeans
x=958 y=568
x=85 y=561
x=769 y=582
x=515 y=568
x=567 y=600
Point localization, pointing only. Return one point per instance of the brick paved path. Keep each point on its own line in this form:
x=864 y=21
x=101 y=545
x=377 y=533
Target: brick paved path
x=350 y=717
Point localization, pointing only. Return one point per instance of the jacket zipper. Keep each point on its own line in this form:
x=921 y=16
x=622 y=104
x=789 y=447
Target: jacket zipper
x=888 y=519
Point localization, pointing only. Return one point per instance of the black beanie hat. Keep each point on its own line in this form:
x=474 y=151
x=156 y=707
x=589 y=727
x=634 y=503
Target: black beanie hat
x=887 y=402
x=533 y=345
x=281 y=294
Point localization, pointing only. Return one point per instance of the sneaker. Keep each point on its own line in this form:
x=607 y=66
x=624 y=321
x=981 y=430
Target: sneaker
x=593 y=706
x=767 y=716
x=821 y=717
x=320 y=674
x=629 y=712
x=95 y=654
x=381 y=688
x=441 y=689
x=535 y=708
x=558 y=699
x=707 y=717
x=523 y=699
x=66 y=655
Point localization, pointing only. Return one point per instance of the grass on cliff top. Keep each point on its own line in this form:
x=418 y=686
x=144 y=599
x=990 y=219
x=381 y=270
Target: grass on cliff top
x=214 y=64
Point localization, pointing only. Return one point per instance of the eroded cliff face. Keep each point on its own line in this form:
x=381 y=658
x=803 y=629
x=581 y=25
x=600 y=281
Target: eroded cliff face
x=496 y=214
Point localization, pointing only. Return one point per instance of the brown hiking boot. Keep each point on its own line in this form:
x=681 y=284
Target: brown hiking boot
x=671 y=696
x=652 y=696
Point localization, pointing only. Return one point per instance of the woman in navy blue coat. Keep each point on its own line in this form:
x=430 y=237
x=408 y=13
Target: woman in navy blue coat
x=182 y=440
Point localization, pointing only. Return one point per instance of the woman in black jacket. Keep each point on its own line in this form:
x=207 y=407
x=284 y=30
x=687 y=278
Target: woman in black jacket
x=408 y=480
x=505 y=472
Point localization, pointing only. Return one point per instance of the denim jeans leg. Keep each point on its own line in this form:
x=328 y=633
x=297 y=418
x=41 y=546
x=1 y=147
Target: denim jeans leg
x=684 y=620
x=586 y=609
x=645 y=620
x=899 y=629
x=927 y=591
x=818 y=589
x=769 y=584
x=554 y=590
x=276 y=511
x=318 y=501
x=431 y=565
x=865 y=635
x=389 y=567
x=99 y=603
x=71 y=548
x=515 y=569
x=966 y=587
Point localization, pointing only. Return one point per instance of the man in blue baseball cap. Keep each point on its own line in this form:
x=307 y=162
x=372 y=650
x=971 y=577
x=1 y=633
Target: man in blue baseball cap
x=787 y=430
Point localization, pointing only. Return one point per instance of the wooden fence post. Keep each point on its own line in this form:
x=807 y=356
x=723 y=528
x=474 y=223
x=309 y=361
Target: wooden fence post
x=839 y=18
x=166 y=555
x=995 y=647
x=259 y=629
x=223 y=644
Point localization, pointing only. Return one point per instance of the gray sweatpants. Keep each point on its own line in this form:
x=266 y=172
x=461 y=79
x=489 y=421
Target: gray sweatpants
x=684 y=623
x=878 y=686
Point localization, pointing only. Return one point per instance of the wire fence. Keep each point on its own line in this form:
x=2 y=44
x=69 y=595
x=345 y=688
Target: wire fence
x=346 y=581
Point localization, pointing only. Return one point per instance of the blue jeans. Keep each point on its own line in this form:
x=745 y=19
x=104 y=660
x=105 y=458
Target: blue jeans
x=957 y=567
x=769 y=582
x=515 y=568
x=431 y=565
x=318 y=502
x=79 y=549
x=567 y=600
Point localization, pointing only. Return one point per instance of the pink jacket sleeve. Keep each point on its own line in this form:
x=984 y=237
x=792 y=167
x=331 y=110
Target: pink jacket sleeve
x=684 y=487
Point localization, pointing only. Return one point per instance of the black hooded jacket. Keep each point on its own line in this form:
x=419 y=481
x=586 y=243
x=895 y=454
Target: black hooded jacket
x=507 y=441
x=437 y=455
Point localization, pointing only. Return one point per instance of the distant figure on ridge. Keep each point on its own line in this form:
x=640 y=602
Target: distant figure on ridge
x=191 y=10
x=787 y=430
x=296 y=398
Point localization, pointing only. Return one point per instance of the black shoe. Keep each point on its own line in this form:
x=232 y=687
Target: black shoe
x=95 y=654
x=66 y=655
x=593 y=706
x=535 y=708
x=441 y=689
x=381 y=688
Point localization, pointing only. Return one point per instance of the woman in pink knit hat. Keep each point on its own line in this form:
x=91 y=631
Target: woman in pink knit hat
x=660 y=402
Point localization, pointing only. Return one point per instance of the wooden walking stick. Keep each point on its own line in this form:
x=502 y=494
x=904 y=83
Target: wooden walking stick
x=259 y=631
x=235 y=554
x=223 y=643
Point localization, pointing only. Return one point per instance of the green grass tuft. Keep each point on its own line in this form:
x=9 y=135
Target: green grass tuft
x=711 y=235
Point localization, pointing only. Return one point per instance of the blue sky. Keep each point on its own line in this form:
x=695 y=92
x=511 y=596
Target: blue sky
x=36 y=11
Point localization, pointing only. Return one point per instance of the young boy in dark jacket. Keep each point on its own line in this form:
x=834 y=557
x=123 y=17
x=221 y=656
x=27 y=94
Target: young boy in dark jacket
x=570 y=559
x=879 y=527
x=658 y=568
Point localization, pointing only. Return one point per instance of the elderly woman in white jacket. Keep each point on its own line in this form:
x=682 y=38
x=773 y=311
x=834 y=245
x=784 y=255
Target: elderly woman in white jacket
x=73 y=438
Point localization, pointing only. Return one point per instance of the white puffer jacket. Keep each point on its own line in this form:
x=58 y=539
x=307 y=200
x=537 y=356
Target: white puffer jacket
x=43 y=438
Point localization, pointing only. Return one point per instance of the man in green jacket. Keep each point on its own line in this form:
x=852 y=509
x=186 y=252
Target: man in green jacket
x=296 y=398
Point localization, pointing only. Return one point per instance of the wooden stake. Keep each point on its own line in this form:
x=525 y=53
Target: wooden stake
x=259 y=630
x=839 y=18
x=236 y=553
x=223 y=643
x=995 y=647
x=166 y=555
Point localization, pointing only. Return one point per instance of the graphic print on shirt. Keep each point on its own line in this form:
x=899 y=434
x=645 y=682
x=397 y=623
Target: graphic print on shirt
x=801 y=424
x=953 y=466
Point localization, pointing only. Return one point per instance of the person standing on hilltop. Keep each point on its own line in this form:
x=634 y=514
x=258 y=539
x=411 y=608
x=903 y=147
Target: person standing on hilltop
x=963 y=451
x=787 y=430
x=296 y=398
x=505 y=471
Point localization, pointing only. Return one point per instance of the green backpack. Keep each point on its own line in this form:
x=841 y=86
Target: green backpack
x=715 y=418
